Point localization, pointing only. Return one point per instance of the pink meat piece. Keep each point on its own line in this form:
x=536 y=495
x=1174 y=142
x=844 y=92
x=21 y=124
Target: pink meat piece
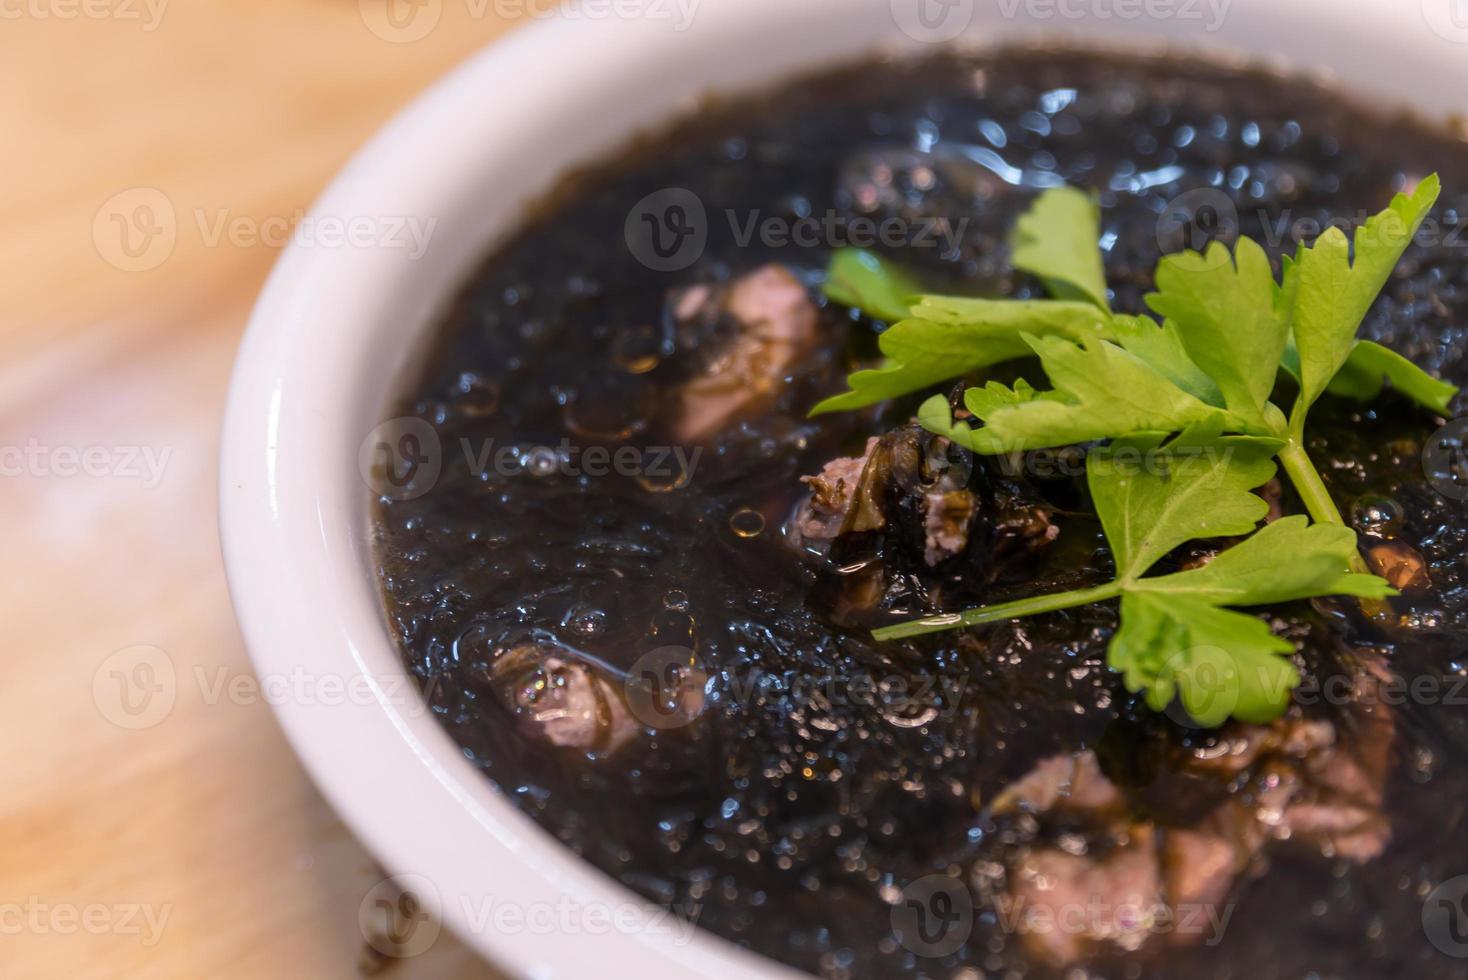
x=1073 y=782
x=947 y=518
x=774 y=323
x=1200 y=867
x=828 y=511
x=1322 y=782
x=563 y=702
x=1069 y=907
x=1308 y=781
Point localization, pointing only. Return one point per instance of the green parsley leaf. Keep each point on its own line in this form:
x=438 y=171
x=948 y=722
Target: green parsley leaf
x=866 y=281
x=1337 y=288
x=1058 y=241
x=1219 y=663
x=937 y=417
x=1252 y=573
x=1162 y=348
x=1151 y=502
x=1101 y=391
x=994 y=396
x=949 y=338
x=1231 y=317
x=1176 y=638
x=1370 y=363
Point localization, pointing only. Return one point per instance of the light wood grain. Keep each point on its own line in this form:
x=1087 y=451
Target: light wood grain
x=240 y=107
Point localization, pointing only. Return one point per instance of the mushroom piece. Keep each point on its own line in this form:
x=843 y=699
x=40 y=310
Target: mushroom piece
x=909 y=473
x=1399 y=563
x=912 y=516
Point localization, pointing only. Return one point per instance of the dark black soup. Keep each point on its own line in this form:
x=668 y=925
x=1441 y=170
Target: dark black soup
x=635 y=615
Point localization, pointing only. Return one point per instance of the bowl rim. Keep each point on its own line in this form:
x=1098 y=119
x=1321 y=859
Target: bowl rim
x=293 y=513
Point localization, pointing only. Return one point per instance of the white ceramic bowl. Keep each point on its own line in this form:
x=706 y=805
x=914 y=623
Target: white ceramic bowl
x=336 y=327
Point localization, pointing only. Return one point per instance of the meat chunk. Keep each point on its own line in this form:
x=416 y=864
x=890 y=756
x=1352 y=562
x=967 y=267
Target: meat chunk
x=1200 y=867
x=1080 y=903
x=1356 y=832
x=1145 y=884
x=1298 y=781
x=846 y=497
x=1064 y=781
x=562 y=701
x=1320 y=783
x=749 y=333
x=1070 y=907
x=1316 y=782
x=1338 y=806
x=946 y=523
x=833 y=509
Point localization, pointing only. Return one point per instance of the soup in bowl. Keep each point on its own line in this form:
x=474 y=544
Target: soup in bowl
x=553 y=489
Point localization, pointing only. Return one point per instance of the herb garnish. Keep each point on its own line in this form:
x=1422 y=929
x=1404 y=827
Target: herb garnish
x=1183 y=407
x=1177 y=637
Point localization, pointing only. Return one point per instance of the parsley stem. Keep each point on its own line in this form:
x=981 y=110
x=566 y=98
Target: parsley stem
x=1003 y=611
x=1308 y=484
x=1312 y=491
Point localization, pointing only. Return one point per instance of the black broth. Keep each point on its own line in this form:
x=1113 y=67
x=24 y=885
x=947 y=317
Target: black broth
x=790 y=816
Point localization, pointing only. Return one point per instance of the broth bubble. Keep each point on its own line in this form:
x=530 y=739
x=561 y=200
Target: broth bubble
x=747 y=523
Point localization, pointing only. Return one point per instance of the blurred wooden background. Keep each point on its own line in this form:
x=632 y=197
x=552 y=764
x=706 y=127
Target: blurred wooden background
x=114 y=357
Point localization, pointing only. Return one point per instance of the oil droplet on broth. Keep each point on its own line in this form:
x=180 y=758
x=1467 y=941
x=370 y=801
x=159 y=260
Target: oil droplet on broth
x=541 y=461
x=671 y=627
x=608 y=408
x=1376 y=515
x=637 y=350
x=476 y=396
x=674 y=479
x=747 y=523
x=586 y=621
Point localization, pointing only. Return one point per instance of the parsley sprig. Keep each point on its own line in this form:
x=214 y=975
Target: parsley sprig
x=1183 y=410
x=1178 y=637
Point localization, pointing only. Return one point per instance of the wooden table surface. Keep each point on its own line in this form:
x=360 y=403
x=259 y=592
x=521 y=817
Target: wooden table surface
x=187 y=842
